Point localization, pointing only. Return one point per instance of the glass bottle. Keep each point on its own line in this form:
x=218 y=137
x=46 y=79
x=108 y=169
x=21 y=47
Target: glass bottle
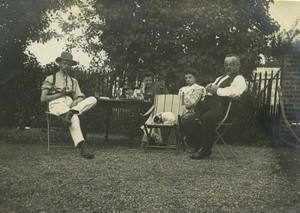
x=125 y=88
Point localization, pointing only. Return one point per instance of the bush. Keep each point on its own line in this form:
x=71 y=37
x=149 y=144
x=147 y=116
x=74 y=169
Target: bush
x=247 y=128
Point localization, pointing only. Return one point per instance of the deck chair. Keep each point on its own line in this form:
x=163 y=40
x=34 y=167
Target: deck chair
x=221 y=129
x=291 y=125
x=55 y=130
x=164 y=103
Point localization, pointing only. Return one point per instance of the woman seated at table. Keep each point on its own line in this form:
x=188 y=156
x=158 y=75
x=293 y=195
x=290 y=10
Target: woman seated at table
x=149 y=89
x=192 y=93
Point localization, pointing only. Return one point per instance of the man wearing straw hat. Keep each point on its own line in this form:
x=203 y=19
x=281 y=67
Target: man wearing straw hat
x=66 y=100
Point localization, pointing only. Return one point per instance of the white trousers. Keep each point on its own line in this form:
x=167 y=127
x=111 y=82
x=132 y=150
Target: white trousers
x=62 y=105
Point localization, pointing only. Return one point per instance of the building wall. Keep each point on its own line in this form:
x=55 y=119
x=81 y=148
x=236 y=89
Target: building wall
x=290 y=85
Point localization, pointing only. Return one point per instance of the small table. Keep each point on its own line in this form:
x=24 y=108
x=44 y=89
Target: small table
x=134 y=106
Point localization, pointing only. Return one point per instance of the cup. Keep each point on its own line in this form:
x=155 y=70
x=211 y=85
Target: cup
x=138 y=93
x=97 y=94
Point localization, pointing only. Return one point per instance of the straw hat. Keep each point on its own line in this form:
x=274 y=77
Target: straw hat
x=66 y=56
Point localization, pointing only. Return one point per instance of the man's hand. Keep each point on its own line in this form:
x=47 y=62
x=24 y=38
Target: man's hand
x=64 y=91
x=212 y=88
x=208 y=86
x=75 y=102
x=187 y=115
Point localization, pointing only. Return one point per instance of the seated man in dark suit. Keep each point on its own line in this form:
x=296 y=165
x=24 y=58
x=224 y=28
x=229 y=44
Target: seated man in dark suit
x=199 y=128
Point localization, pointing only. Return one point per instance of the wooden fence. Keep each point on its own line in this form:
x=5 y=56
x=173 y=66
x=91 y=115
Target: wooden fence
x=265 y=85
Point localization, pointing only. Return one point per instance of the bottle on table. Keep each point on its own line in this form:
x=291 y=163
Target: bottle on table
x=137 y=90
x=113 y=89
x=118 y=91
x=125 y=89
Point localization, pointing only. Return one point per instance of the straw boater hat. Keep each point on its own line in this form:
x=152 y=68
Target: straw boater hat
x=66 y=56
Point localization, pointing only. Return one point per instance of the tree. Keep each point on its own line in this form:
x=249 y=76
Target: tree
x=166 y=36
x=21 y=21
x=285 y=41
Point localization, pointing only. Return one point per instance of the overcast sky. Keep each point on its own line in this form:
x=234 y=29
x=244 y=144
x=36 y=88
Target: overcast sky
x=285 y=12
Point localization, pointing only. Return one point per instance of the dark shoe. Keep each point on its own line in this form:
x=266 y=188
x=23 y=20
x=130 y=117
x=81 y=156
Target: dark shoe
x=143 y=144
x=192 y=149
x=70 y=114
x=63 y=119
x=85 y=152
x=66 y=118
x=200 y=154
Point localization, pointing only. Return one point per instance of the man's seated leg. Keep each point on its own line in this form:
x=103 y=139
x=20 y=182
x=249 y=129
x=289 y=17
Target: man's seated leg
x=78 y=139
x=66 y=117
x=209 y=122
x=85 y=152
x=191 y=129
x=85 y=105
x=81 y=107
x=61 y=107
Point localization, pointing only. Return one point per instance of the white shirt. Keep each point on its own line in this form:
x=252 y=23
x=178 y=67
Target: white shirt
x=236 y=88
x=192 y=94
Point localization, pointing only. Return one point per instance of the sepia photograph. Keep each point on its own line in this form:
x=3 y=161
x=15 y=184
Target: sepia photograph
x=150 y=106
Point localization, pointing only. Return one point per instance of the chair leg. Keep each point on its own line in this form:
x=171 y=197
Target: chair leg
x=146 y=146
x=220 y=138
x=227 y=147
x=178 y=142
x=219 y=151
x=48 y=132
x=54 y=123
x=181 y=141
x=148 y=133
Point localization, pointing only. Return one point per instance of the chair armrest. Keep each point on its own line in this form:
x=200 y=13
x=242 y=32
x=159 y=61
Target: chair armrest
x=227 y=112
x=49 y=113
x=149 y=111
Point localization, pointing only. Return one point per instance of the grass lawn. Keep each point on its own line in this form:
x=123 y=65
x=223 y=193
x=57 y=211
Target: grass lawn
x=120 y=179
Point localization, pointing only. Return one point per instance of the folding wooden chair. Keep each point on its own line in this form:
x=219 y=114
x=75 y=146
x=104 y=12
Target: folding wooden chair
x=55 y=128
x=221 y=129
x=165 y=103
x=292 y=125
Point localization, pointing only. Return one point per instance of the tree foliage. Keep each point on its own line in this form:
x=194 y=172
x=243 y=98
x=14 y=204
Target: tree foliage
x=161 y=36
x=166 y=36
x=22 y=21
x=285 y=41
